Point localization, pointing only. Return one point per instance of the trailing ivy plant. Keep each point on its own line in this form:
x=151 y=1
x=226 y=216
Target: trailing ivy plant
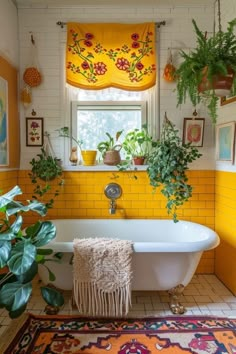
x=45 y=168
x=167 y=166
x=21 y=252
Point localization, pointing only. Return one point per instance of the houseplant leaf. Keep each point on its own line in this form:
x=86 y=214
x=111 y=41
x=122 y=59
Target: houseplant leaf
x=29 y=275
x=46 y=233
x=15 y=295
x=22 y=256
x=51 y=296
x=5 y=249
x=8 y=197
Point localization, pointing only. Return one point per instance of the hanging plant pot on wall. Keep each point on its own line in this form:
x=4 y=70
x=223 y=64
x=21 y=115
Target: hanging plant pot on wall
x=221 y=84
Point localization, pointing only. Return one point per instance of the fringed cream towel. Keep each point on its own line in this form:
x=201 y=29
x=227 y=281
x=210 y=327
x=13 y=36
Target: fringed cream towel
x=102 y=276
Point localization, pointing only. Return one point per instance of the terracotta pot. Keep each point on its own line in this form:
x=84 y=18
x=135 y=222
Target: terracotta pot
x=112 y=157
x=139 y=160
x=220 y=83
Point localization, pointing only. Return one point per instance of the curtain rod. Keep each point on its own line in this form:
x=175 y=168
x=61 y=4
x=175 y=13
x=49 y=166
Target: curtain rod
x=158 y=24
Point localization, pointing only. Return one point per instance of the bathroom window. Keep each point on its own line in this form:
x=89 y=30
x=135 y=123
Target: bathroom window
x=94 y=112
x=91 y=120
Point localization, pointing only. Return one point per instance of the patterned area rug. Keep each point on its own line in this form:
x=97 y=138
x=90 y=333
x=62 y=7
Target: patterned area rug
x=64 y=334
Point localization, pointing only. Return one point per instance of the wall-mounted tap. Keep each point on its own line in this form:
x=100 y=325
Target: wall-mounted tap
x=112 y=191
x=112 y=209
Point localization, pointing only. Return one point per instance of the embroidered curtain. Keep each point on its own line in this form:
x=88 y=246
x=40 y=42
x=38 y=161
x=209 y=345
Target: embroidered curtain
x=102 y=55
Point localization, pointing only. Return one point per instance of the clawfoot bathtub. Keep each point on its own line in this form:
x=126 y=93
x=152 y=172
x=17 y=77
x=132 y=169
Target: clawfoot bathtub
x=166 y=254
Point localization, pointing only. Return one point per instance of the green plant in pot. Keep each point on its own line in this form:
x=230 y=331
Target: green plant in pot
x=45 y=168
x=167 y=166
x=208 y=71
x=110 y=149
x=20 y=253
x=138 y=145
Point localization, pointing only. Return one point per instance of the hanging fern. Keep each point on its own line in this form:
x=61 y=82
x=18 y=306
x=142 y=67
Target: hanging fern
x=212 y=56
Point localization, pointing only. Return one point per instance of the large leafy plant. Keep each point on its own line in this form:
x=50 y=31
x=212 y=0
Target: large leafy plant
x=20 y=253
x=167 y=166
x=212 y=56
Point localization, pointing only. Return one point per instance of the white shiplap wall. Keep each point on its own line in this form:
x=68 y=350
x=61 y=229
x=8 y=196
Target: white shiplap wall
x=50 y=38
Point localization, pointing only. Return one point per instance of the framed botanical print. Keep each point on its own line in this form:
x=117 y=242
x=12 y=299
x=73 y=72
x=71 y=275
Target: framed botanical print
x=34 y=131
x=193 y=131
x=225 y=140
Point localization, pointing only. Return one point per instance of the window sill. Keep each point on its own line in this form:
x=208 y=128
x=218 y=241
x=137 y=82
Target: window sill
x=99 y=168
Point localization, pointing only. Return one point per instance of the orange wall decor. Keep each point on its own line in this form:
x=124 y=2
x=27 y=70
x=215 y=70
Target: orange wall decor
x=9 y=73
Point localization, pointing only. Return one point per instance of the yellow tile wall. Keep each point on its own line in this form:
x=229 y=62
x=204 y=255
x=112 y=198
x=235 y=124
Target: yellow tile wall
x=82 y=196
x=8 y=180
x=225 y=224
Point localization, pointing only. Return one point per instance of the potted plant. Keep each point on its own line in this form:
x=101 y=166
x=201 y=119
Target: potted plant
x=167 y=166
x=88 y=156
x=110 y=149
x=208 y=71
x=138 y=145
x=45 y=168
x=21 y=252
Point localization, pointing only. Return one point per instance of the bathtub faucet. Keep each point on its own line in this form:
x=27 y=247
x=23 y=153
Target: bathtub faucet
x=112 y=191
x=112 y=209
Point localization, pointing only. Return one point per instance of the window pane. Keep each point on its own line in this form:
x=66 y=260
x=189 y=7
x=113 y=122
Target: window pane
x=92 y=121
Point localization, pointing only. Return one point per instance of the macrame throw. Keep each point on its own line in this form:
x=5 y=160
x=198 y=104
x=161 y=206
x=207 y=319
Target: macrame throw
x=102 y=276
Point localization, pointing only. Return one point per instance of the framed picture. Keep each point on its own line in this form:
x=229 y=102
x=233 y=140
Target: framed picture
x=193 y=131
x=34 y=131
x=227 y=99
x=4 y=150
x=225 y=140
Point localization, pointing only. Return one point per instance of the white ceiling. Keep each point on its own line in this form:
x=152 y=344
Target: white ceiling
x=114 y=3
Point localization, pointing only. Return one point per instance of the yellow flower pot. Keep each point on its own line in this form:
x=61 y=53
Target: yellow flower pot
x=89 y=157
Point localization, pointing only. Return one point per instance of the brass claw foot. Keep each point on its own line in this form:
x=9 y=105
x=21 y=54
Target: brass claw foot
x=175 y=306
x=51 y=310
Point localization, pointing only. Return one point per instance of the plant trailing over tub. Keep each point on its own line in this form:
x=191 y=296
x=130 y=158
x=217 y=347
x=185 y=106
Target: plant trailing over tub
x=21 y=252
x=167 y=166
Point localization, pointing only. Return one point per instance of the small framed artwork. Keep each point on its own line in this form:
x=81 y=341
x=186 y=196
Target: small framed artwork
x=225 y=140
x=193 y=131
x=34 y=131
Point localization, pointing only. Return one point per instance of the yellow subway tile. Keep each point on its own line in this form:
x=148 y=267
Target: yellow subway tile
x=94 y=212
x=207 y=181
x=197 y=204
x=190 y=212
x=146 y=212
x=85 y=204
x=206 y=212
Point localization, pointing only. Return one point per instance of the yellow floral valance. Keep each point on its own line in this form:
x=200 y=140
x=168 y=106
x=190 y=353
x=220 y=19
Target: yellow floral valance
x=101 y=55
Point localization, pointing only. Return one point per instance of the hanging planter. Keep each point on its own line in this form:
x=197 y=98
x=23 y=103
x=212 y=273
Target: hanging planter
x=204 y=74
x=220 y=84
x=31 y=77
x=169 y=70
